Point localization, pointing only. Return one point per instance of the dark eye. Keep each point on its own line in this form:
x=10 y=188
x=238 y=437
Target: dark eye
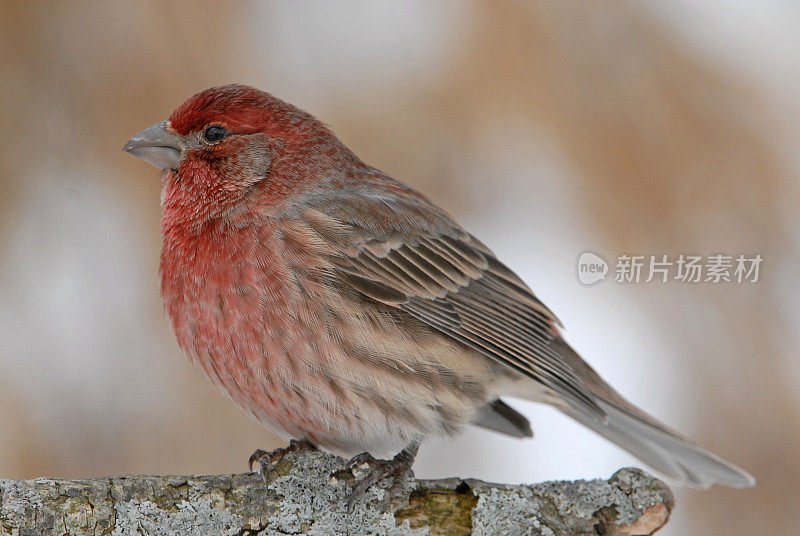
x=214 y=134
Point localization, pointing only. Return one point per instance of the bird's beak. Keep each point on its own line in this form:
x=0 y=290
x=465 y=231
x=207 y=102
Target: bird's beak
x=156 y=145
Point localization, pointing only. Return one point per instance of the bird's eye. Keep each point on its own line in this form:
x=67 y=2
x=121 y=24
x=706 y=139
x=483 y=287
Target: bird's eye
x=214 y=134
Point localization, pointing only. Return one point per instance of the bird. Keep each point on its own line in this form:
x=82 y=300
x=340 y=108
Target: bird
x=346 y=311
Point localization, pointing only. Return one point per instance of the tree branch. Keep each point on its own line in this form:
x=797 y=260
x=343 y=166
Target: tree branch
x=306 y=493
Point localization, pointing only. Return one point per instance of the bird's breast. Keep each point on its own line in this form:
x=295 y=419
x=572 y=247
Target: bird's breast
x=227 y=297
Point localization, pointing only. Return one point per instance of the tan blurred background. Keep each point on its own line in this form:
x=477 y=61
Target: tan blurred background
x=546 y=128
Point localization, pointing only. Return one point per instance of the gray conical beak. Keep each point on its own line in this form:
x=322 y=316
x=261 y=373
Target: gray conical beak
x=156 y=145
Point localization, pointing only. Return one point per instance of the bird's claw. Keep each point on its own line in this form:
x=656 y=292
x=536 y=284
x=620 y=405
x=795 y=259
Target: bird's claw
x=265 y=458
x=360 y=459
x=398 y=468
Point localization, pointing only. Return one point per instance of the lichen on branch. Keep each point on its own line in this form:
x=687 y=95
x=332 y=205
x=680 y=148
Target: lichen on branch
x=306 y=493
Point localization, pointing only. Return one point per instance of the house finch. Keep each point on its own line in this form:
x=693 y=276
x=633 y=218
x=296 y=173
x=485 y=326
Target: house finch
x=341 y=308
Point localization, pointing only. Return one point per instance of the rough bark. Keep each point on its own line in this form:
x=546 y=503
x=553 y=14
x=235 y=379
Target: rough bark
x=306 y=494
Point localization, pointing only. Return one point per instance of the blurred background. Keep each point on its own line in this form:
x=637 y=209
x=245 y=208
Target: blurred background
x=547 y=129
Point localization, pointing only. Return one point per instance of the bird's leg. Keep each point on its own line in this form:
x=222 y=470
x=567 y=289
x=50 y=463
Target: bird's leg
x=265 y=459
x=398 y=467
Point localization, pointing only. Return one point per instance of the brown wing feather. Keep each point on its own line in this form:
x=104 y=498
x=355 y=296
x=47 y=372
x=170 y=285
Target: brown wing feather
x=443 y=276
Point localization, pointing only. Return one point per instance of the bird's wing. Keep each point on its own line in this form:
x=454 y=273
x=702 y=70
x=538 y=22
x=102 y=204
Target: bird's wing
x=420 y=261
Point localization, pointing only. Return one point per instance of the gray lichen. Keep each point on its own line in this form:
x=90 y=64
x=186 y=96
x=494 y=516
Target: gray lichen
x=306 y=494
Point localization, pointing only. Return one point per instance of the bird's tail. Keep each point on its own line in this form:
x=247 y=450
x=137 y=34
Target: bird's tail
x=663 y=449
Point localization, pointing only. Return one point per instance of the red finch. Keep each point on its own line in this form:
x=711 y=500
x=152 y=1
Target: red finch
x=341 y=308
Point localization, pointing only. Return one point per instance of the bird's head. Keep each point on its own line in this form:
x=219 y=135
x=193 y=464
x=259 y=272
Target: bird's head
x=224 y=143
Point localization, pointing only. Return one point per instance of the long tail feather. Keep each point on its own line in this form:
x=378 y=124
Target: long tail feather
x=675 y=457
x=663 y=449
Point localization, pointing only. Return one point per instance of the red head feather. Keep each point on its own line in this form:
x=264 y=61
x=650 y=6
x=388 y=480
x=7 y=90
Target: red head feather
x=269 y=139
x=243 y=110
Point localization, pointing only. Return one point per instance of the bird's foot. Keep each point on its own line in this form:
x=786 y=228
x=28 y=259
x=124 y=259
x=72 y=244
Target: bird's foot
x=265 y=458
x=398 y=467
